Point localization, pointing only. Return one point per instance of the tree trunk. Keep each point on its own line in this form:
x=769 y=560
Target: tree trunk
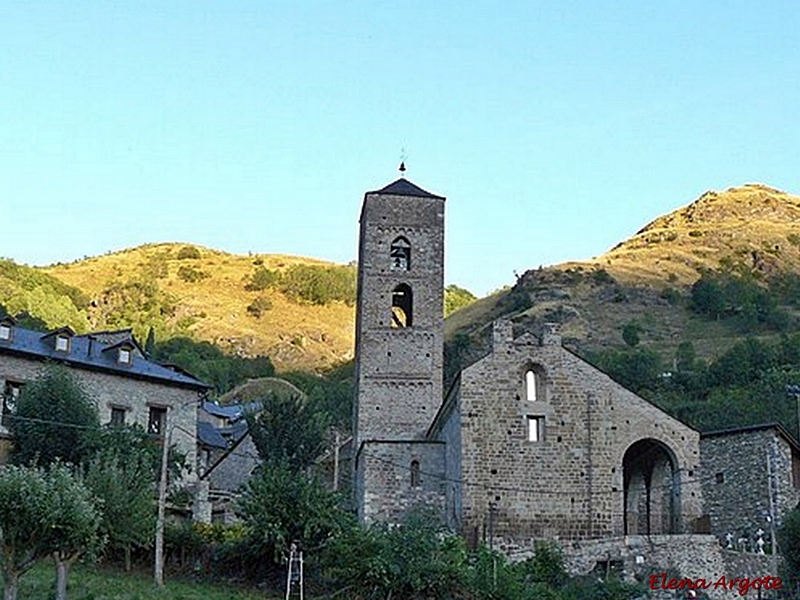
x=11 y=581
x=127 y=559
x=62 y=572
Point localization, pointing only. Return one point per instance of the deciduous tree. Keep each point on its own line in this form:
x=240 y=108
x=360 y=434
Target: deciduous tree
x=55 y=419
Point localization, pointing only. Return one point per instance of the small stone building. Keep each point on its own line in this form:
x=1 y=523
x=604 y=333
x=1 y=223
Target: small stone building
x=751 y=480
x=111 y=367
x=529 y=442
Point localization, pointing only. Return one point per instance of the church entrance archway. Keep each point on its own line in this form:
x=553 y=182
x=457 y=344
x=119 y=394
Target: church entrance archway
x=652 y=489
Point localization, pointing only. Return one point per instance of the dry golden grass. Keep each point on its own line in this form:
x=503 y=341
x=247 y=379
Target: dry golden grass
x=292 y=335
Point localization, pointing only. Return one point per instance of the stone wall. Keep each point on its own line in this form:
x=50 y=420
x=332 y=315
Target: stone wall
x=569 y=484
x=135 y=396
x=384 y=472
x=740 y=468
x=685 y=556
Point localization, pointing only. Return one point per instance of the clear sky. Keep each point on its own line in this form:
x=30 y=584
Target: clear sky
x=554 y=128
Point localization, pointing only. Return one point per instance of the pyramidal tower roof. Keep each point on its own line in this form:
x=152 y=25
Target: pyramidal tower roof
x=403 y=187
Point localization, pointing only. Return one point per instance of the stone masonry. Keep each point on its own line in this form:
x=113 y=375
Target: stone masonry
x=120 y=390
x=399 y=340
x=750 y=481
x=585 y=476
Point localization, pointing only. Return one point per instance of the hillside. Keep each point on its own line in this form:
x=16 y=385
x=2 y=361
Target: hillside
x=181 y=289
x=752 y=231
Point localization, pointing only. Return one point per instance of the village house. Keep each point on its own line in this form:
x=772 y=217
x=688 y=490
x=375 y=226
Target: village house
x=112 y=368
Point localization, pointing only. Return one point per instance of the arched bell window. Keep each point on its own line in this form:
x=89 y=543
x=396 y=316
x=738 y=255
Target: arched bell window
x=402 y=306
x=400 y=254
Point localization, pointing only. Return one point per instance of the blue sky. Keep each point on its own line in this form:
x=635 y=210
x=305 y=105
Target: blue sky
x=554 y=128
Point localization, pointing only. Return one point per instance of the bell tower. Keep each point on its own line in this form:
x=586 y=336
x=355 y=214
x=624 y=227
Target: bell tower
x=399 y=319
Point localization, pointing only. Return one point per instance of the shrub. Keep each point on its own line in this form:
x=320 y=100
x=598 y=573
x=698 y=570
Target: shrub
x=261 y=279
x=190 y=274
x=188 y=252
x=320 y=285
x=258 y=306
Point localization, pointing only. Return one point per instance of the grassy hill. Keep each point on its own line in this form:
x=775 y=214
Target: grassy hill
x=235 y=302
x=752 y=231
x=180 y=289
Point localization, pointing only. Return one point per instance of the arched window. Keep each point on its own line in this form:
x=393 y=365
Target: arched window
x=400 y=254
x=530 y=386
x=414 y=473
x=402 y=306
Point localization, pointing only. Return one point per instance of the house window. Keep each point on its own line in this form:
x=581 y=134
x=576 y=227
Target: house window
x=157 y=421
x=5 y=331
x=402 y=306
x=535 y=429
x=400 y=254
x=117 y=416
x=125 y=356
x=415 y=473
x=11 y=394
x=530 y=386
x=62 y=343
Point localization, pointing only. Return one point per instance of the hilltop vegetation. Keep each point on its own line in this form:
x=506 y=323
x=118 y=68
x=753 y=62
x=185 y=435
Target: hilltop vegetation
x=297 y=311
x=718 y=280
x=44 y=300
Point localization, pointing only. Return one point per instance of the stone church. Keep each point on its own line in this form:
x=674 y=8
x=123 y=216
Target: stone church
x=529 y=442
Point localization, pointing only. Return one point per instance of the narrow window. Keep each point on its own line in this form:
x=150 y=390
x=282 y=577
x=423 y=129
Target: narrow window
x=5 y=331
x=157 y=421
x=530 y=386
x=117 y=416
x=535 y=429
x=795 y=471
x=720 y=477
x=414 y=473
x=10 y=398
x=402 y=306
x=400 y=254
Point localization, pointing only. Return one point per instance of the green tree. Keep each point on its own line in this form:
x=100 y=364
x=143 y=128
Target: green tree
x=288 y=432
x=44 y=513
x=280 y=506
x=55 y=419
x=707 y=297
x=631 y=333
x=789 y=543
x=23 y=510
x=122 y=476
x=73 y=523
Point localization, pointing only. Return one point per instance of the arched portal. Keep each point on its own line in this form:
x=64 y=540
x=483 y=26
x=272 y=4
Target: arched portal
x=652 y=489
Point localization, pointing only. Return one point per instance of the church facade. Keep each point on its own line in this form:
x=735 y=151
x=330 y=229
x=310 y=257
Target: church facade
x=529 y=442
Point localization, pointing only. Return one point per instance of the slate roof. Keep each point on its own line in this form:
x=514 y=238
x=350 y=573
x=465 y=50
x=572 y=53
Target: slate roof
x=232 y=412
x=208 y=435
x=88 y=352
x=403 y=187
x=757 y=427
